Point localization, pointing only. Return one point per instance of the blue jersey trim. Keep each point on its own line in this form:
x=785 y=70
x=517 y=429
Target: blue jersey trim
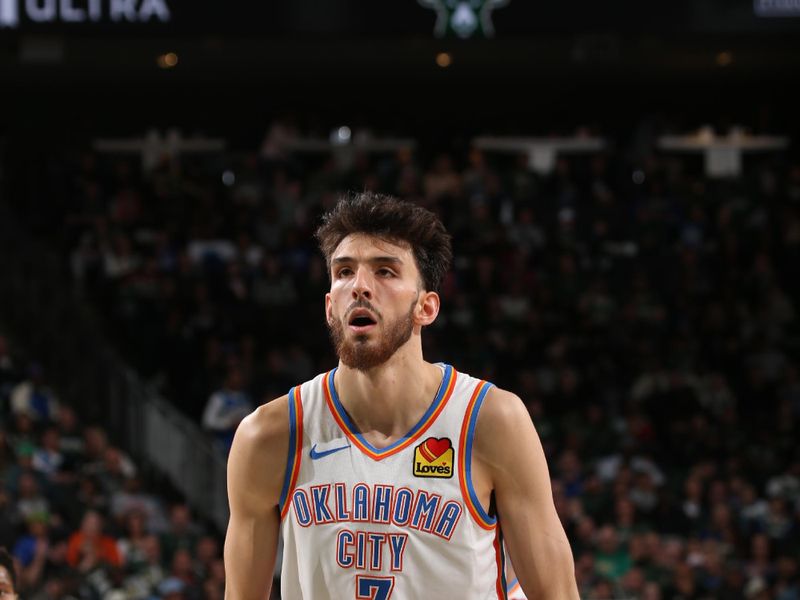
x=505 y=586
x=448 y=373
x=287 y=478
x=473 y=420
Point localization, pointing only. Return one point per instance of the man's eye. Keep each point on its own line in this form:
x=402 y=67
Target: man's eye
x=385 y=273
x=343 y=272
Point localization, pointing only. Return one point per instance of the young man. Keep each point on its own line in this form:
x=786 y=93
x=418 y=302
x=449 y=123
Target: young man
x=390 y=477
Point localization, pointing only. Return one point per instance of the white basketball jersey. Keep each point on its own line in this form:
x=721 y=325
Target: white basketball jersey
x=515 y=590
x=401 y=522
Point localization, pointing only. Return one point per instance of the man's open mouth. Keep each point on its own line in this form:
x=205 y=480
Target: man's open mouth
x=361 y=318
x=362 y=321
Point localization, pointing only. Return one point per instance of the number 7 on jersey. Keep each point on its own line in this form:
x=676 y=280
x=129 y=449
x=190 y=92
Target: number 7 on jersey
x=374 y=588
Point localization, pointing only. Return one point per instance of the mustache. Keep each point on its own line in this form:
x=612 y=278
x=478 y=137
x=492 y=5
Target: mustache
x=361 y=303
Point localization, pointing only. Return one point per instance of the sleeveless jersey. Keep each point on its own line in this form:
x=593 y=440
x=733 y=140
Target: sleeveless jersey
x=395 y=523
x=515 y=590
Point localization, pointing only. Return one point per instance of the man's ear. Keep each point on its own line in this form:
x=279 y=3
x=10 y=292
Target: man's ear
x=328 y=309
x=427 y=308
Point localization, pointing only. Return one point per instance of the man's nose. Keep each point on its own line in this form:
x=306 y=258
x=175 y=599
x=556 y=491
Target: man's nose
x=362 y=285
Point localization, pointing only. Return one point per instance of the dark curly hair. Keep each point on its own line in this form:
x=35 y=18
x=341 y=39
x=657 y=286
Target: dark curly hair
x=395 y=221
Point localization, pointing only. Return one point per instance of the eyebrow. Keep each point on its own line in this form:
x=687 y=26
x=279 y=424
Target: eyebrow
x=374 y=260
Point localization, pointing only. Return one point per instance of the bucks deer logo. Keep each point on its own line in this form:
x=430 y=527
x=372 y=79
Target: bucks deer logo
x=464 y=17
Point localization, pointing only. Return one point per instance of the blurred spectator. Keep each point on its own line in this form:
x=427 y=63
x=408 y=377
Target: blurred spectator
x=8 y=524
x=787 y=581
x=443 y=179
x=611 y=559
x=33 y=398
x=133 y=498
x=633 y=583
x=55 y=576
x=172 y=588
x=31 y=502
x=115 y=470
x=131 y=543
x=22 y=434
x=148 y=574
x=8 y=373
x=181 y=535
x=90 y=495
x=90 y=547
x=31 y=549
x=683 y=585
x=603 y=589
x=7 y=458
x=182 y=570
x=227 y=407
x=48 y=459
x=215 y=584
x=71 y=442
x=206 y=553
x=94 y=450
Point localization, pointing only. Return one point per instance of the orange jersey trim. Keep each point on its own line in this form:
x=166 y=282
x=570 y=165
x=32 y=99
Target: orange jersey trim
x=341 y=418
x=465 y=458
x=296 y=452
x=500 y=561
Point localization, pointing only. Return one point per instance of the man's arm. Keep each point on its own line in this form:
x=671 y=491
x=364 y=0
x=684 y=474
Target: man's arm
x=510 y=460
x=256 y=468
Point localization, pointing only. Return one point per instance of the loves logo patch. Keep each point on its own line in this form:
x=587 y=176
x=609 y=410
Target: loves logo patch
x=434 y=458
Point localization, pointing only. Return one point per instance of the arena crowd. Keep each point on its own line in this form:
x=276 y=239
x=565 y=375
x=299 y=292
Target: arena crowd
x=646 y=314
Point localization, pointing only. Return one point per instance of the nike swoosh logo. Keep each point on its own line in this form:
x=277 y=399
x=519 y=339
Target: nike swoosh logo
x=315 y=455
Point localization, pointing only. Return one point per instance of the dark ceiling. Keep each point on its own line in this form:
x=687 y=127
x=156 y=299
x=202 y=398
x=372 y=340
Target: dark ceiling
x=545 y=66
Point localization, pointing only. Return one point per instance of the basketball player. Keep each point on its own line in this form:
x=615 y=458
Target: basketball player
x=391 y=477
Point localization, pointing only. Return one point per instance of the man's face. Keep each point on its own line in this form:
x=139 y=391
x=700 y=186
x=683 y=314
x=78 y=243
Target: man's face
x=375 y=291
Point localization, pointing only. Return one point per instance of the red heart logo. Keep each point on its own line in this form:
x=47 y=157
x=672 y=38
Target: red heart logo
x=432 y=448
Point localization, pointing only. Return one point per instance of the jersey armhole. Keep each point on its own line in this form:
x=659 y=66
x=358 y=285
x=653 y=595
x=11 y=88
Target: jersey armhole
x=295 y=449
x=478 y=512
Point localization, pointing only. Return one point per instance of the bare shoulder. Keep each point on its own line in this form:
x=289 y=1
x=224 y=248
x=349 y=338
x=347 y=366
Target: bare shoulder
x=266 y=426
x=257 y=461
x=501 y=410
x=503 y=430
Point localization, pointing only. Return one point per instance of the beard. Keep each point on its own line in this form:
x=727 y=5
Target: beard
x=361 y=354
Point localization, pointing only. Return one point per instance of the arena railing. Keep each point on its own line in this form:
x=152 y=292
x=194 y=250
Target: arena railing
x=44 y=315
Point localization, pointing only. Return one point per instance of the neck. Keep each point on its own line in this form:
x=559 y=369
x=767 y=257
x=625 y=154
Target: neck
x=385 y=402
